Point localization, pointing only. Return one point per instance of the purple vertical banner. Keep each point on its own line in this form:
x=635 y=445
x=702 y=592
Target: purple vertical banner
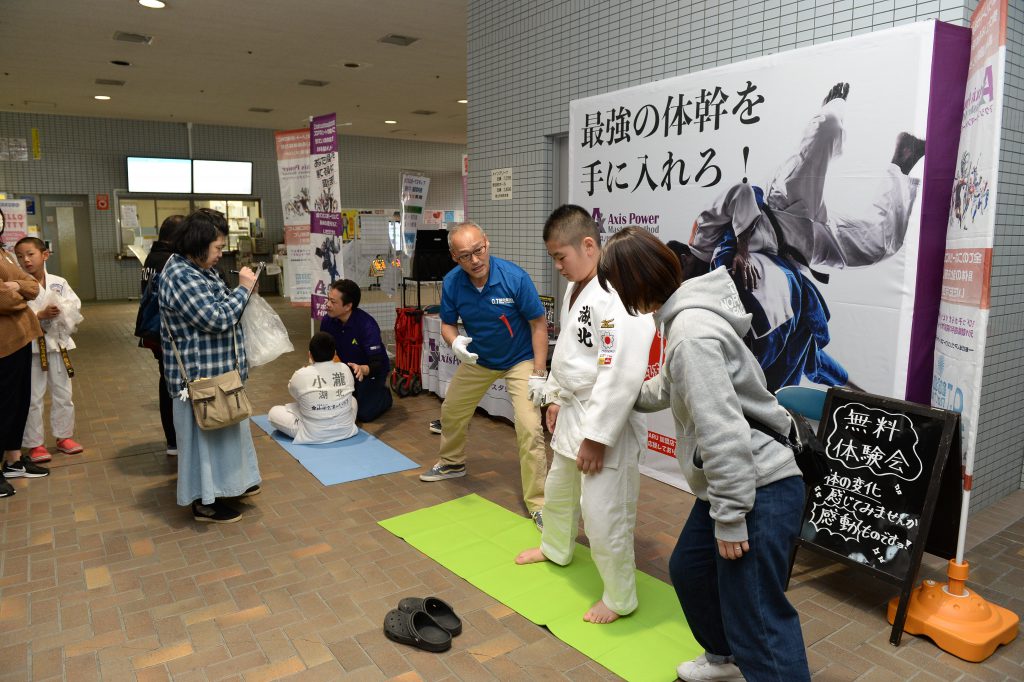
x=325 y=229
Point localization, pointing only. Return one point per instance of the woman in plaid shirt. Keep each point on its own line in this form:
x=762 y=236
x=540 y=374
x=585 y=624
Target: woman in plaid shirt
x=202 y=315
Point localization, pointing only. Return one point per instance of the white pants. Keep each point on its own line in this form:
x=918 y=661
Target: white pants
x=285 y=418
x=829 y=238
x=62 y=410
x=608 y=503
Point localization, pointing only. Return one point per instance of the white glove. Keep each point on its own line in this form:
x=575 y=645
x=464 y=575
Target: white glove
x=537 y=384
x=460 y=346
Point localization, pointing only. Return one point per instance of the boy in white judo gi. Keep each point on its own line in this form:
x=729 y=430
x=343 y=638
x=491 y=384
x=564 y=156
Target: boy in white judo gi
x=59 y=311
x=599 y=364
x=325 y=409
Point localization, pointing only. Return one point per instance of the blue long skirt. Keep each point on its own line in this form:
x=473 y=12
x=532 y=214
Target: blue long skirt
x=212 y=464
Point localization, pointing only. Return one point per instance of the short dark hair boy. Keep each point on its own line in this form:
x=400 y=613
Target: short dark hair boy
x=570 y=224
x=321 y=347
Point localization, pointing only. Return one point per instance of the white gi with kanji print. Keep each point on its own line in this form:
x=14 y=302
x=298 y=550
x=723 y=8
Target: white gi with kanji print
x=599 y=364
x=325 y=410
x=57 y=332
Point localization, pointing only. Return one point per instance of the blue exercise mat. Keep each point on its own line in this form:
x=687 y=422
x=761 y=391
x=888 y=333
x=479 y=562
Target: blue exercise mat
x=361 y=456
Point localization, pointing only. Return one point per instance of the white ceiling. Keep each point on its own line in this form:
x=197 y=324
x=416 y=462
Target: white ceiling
x=211 y=60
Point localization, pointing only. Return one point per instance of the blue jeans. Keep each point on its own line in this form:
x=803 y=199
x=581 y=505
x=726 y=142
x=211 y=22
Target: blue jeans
x=738 y=608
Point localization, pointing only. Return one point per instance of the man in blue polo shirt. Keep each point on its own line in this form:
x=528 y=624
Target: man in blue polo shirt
x=359 y=345
x=506 y=339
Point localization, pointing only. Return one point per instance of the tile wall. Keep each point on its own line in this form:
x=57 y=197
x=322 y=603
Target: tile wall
x=528 y=60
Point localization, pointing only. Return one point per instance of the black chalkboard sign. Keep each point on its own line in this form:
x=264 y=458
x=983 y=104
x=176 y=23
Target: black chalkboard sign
x=886 y=461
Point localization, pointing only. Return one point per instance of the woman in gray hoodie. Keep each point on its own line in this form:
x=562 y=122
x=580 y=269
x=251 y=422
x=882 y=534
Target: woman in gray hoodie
x=730 y=565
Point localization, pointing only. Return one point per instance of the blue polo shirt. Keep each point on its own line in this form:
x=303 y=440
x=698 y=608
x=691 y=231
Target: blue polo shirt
x=497 y=318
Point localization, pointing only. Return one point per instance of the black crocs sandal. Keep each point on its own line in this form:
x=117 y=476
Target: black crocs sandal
x=416 y=629
x=437 y=609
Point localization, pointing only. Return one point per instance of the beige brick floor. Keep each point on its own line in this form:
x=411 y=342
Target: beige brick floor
x=105 y=578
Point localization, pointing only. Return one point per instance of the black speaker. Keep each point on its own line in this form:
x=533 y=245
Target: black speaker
x=431 y=258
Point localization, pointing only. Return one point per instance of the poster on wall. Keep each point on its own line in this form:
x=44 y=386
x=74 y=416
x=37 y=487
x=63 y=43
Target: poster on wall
x=414 y=199
x=325 y=222
x=293 y=176
x=15 y=221
x=786 y=170
x=964 y=310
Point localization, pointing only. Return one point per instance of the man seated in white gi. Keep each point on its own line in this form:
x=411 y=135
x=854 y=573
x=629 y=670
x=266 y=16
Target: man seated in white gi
x=599 y=364
x=325 y=409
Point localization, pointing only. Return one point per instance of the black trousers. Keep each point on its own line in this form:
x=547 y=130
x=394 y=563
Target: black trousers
x=16 y=370
x=166 y=406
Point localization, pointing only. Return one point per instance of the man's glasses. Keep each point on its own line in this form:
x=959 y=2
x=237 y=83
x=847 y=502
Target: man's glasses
x=478 y=252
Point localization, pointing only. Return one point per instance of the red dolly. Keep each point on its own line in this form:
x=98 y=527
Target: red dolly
x=405 y=377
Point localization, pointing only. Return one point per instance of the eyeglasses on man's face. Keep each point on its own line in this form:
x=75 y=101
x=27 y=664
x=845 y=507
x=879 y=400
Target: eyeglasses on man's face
x=477 y=252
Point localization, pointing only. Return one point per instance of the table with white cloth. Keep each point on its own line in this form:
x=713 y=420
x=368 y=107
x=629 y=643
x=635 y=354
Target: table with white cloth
x=438 y=364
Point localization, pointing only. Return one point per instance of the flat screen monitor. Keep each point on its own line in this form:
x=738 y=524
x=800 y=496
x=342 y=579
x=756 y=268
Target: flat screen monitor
x=221 y=177
x=164 y=176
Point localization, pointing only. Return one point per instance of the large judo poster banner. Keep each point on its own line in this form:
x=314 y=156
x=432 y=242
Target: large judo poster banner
x=803 y=173
x=293 y=176
x=964 y=310
x=325 y=223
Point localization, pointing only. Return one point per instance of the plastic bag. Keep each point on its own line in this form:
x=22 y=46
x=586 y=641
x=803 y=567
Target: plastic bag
x=66 y=323
x=265 y=334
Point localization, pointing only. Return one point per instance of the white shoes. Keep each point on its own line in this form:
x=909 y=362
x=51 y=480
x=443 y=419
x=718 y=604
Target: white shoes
x=701 y=669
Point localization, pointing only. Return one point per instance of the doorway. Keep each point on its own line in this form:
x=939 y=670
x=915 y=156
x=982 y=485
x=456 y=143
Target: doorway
x=68 y=231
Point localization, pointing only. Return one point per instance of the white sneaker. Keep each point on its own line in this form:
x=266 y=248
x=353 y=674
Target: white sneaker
x=701 y=669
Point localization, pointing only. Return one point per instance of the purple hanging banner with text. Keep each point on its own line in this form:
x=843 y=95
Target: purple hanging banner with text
x=325 y=228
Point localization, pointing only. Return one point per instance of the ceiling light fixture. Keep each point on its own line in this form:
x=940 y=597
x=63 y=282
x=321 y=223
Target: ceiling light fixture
x=391 y=123
x=102 y=98
x=120 y=62
x=462 y=101
x=313 y=83
x=153 y=4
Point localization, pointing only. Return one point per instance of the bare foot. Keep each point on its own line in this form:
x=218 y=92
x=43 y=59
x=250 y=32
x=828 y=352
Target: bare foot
x=530 y=556
x=599 y=613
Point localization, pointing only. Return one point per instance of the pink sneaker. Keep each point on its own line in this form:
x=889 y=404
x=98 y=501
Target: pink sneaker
x=39 y=454
x=68 y=446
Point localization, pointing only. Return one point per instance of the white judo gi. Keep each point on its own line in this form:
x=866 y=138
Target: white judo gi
x=796 y=198
x=599 y=364
x=57 y=330
x=325 y=409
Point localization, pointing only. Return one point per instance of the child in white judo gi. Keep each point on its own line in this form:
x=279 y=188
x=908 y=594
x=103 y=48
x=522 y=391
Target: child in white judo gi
x=59 y=311
x=325 y=409
x=599 y=364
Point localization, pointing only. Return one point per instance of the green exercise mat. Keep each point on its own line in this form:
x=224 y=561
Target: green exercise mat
x=478 y=540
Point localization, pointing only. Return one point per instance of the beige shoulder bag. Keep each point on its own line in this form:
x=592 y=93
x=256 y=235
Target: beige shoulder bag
x=217 y=401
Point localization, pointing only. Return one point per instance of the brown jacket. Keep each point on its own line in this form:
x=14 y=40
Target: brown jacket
x=18 y=324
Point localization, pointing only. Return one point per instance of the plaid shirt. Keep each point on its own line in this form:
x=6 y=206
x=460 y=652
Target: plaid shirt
x=201 y=313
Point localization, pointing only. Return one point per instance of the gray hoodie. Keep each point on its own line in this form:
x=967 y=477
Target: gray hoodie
x=711 y=380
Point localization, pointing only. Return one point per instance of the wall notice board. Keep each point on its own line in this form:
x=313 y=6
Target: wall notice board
x=893 y=488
